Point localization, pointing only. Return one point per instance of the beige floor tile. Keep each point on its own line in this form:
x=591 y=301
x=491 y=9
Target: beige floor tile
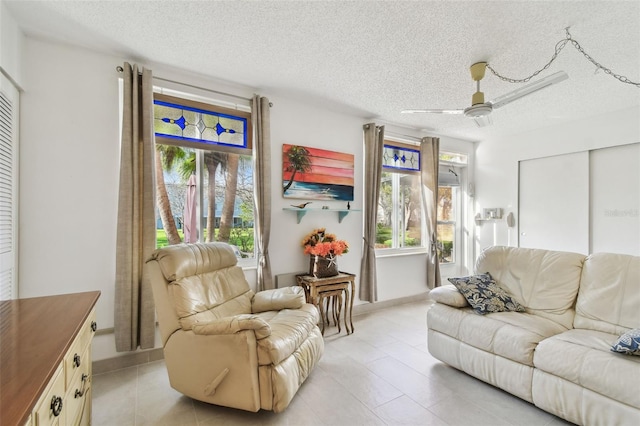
x=370 y=389
x=460 y=411
x=381 y=374
x=416 y=386
x=404 y=411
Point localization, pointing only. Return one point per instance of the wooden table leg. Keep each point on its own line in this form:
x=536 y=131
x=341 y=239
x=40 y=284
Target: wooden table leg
x=351 y=297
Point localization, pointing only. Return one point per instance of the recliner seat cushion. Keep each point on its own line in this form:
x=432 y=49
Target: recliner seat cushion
x=583 y=357
x=289 y=329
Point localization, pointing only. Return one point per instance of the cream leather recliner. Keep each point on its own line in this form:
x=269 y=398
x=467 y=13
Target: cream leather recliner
x=223 y=343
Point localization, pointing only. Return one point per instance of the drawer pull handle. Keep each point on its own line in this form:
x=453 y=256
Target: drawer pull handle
x=94 y=326
x=56 y=405
x=76 y=360
x=79 y=393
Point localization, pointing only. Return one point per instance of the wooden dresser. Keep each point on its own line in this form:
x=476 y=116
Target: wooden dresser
x=45 y=359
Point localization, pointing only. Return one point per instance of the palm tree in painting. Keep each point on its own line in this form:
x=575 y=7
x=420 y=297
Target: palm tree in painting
x=299 y=161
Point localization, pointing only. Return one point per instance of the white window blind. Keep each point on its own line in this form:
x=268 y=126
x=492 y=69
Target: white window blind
x=8 y=189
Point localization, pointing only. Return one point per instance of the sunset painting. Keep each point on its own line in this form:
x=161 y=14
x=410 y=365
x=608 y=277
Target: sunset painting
x=316 y=174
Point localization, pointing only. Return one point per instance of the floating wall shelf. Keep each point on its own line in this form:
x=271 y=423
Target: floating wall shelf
x=301 y=212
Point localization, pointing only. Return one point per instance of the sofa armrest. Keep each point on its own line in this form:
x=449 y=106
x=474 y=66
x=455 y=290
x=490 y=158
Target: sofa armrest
x=448 y=295
x=278 y=299
x=234 y=324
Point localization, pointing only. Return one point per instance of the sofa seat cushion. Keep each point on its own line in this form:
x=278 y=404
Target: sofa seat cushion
x=584 y=357
x=512 y=335
x=289 y=328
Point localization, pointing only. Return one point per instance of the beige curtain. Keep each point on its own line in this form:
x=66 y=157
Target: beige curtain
x=262 y=188
x=373 y=141
x=429 y=160
x=134 y=321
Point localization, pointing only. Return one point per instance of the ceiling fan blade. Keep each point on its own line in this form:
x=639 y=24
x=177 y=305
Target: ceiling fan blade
x=529 y=89
x=432 y=111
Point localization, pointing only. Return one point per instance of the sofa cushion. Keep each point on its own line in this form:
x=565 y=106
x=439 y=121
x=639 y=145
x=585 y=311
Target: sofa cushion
x=449 y=295
x=583 y=357
x=484 y=295
x=289 y=328
x=628 y=343
x=545 y=282
x=609 y=294
x=512 y=335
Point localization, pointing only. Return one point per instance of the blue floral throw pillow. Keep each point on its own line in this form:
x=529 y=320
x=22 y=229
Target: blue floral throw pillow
x=484 y=295
x=628 y=343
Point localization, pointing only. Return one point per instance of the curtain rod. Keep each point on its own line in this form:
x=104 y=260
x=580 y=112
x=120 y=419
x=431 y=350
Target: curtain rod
x=402 y=135
x=120 y=69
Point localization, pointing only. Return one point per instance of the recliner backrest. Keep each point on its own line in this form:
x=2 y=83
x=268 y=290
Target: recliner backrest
x=203 y=283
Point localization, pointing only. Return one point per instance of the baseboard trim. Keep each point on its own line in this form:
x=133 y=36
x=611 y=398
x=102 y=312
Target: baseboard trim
x=143 y=357
x=129 y=360
x=365 y=308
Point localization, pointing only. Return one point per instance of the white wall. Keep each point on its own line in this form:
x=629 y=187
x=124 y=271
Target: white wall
x=11 y=44
x=497 y=161
x=69 y=179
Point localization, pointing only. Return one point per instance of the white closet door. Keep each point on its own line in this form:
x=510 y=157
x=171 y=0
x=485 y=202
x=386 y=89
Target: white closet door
x=615 y=199
x=554 y=203
x=8 y=189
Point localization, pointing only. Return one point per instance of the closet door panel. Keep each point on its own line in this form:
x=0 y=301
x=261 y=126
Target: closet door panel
x=615 y=199
x=553 y=205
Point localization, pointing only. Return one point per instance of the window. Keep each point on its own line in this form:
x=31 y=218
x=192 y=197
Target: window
x=400 y=221
x=450 y=176
x=205 y=190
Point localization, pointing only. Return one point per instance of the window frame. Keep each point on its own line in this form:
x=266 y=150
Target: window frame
x=212 y=146
x=459 y=162
x=397 y=173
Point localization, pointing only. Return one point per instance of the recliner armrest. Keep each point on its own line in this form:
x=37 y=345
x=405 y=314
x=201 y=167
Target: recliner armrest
x=278 y=299
x=234 y=324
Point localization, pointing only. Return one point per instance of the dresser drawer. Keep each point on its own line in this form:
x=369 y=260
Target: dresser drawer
x=73 y=360
x=79 y=390
x=51 y=407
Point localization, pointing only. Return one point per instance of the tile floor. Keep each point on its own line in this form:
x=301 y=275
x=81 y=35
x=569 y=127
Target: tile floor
x=380 y=375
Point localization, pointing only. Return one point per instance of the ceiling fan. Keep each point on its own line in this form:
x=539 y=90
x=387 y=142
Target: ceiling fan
x=480 y=110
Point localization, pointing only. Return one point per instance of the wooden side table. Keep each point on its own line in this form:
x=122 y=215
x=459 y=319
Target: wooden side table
x=317 y=289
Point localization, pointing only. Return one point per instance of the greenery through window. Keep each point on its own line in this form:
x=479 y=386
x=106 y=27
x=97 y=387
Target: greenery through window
x=447 y=215
x=451 y=171
x=399 y=224
x=222 y=177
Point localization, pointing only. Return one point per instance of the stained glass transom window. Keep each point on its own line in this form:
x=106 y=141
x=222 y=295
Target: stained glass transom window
x=198 y=125
x=400 y=158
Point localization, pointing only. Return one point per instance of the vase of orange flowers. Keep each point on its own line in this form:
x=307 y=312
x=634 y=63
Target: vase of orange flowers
x=323 y=250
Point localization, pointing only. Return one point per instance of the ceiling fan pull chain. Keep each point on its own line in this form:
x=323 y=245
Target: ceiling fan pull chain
x=559 y=46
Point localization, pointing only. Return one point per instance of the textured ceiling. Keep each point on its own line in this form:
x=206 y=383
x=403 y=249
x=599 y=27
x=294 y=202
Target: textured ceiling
x=374 y=58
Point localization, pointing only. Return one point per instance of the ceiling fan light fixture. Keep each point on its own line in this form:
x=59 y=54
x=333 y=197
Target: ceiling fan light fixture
x=478 y=110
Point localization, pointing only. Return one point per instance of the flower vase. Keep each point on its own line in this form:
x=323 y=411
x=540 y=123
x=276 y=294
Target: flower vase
x=322 y=267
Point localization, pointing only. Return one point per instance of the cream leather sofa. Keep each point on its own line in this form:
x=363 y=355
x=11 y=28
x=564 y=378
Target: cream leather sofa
x=557 y=354
x=222 y=343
